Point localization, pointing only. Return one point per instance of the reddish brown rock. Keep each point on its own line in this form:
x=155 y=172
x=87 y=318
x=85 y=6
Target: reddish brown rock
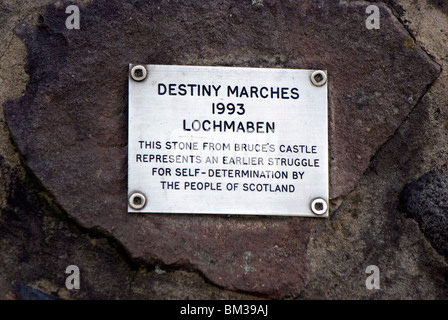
x=71 y=123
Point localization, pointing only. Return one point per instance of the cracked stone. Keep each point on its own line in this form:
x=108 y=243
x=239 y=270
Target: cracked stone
x=71 y=123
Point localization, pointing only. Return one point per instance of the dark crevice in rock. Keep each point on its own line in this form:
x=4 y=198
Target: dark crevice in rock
x=380 y=149
x=371 y=166
x=398 y=11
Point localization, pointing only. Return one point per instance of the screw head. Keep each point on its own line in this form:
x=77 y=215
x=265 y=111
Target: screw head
x=319 y=206
x=137 y=201
x=138 y=73
x=318 y=78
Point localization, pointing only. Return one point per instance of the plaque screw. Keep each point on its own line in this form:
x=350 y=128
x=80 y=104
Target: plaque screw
x=319 y=206
x=318 y=78
x=137 y=201
x=138 y=73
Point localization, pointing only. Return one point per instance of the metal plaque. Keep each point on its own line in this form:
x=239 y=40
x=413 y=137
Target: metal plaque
x=227 y=140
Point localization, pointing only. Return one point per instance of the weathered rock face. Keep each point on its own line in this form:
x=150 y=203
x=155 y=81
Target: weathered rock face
x=71 y=123
x=38 y=241
x=426 y=201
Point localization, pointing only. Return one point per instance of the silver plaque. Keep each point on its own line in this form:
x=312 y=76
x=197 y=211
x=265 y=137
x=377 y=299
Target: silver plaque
x=226 y=140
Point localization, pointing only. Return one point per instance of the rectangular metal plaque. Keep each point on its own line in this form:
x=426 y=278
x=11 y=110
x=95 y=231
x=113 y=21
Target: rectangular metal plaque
x=227 y=140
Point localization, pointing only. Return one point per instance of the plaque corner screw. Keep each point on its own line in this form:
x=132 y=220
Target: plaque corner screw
x=137 y=200
x=138 y=72
x=319 y=206
x=318 y=78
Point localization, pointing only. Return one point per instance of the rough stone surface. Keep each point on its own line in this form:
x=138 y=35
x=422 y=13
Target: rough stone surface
x=67 y=115
x=368 y=228
x=38 y=241
x=426 y=201
x=70 y=125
